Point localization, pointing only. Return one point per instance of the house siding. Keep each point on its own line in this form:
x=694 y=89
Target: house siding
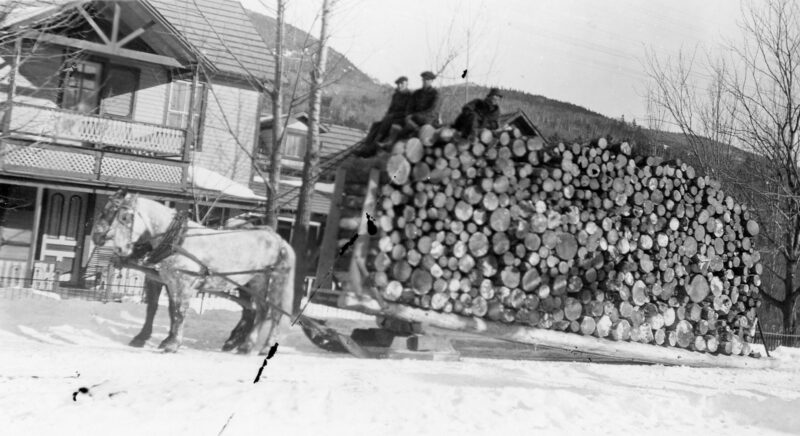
x=151 y=96
x=228 y=131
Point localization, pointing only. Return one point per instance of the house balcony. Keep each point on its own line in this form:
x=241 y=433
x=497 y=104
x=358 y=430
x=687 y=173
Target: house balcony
x=52 y=143
x=73 y=128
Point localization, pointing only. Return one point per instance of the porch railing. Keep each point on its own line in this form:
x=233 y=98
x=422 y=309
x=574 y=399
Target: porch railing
x=63 y=126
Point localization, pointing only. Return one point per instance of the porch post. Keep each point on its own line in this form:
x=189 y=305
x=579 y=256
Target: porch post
x=37 y=220
x=190 y=133
x=12 y=86
x=189 y=142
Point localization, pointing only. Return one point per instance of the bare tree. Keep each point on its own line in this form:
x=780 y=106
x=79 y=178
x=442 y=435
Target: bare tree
x=698 y=105
x=311 y=159
x=276 y=95
x=767 y=92
x=752 y=101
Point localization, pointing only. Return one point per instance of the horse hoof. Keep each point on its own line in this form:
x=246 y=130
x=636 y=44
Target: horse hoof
x=171 y=347
x=228 y=346
x=168 y=342
x=137 y=342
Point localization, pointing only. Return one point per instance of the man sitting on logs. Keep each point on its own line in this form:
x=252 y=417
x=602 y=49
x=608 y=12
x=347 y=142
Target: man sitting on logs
x=479 y=114
x=424 y=106
x=395 y=115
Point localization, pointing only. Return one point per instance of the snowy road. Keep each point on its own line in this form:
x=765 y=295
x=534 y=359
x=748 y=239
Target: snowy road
x=50 y=349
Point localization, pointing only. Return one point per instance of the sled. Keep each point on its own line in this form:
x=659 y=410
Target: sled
x=343 y=259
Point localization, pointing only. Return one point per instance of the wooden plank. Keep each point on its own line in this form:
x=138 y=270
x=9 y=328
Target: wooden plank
x=329 y=249
x=135 y=34
x=358 y=263
x=189 y=139
x=104 y=49
x=567 y=341
x=12 y=86
x=93 y=23
x=37 y=219
x=115 y=25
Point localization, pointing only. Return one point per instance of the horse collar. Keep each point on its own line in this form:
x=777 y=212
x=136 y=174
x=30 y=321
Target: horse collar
x=171 y=239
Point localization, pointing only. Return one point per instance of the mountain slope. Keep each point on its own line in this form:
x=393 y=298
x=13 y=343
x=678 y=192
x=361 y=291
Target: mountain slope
x=354 y=99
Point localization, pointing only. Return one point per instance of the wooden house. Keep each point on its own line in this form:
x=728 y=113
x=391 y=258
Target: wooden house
x=159 y=96
x=335 y=140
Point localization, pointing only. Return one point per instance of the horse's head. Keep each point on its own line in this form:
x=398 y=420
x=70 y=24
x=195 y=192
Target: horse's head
x=116 y=226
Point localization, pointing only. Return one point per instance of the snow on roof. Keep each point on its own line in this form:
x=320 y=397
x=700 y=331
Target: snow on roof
x=204 y=178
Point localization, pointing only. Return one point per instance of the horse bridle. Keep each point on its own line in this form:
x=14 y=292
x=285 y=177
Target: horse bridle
x=121 y=211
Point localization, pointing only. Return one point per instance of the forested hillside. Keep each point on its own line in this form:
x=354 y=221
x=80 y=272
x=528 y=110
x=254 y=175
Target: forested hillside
x=356 y=100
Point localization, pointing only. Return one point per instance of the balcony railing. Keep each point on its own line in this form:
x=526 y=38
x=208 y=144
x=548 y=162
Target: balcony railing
x=48 y=161
x=73 y=128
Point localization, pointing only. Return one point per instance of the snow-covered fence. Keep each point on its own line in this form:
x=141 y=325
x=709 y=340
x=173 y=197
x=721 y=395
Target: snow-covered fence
x=109 y=284
x=14 y=274
x=121 y=281
x=774 y=340
x=44 y=276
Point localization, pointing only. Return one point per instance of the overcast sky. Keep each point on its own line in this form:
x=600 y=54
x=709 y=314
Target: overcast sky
x=587 y=52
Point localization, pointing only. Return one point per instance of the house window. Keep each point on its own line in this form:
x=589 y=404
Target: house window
x=178 y=107
x=81 y=86
x=118 y=92
x=295 y=146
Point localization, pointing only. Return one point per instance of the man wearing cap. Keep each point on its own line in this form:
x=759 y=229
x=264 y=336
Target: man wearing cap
x=424 y=104
x=479 y=114
x=396 y=114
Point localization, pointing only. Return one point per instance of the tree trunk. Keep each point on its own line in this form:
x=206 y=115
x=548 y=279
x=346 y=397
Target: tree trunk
x=311 y=159
x=789 y=300
x=276 y=96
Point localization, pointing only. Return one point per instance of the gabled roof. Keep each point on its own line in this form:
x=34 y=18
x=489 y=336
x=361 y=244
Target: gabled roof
x=266 y=121
x=18 y=13
x=222 y=32
x=339 y=138
x=218 y=31
x=520 y=120
x=334 y=137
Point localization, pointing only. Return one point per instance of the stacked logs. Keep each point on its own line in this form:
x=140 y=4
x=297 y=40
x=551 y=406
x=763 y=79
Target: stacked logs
x=578 y=238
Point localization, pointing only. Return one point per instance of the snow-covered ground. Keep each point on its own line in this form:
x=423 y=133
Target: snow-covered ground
x=49 y=349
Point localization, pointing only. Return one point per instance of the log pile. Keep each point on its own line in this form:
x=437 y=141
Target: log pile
x=581 y=238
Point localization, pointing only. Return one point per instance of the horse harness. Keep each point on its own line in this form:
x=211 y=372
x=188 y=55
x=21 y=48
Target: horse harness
x=145 y=256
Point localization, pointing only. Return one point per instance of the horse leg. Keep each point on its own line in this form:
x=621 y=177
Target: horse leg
x=179 y=292
x=239 y=333
x=170 y=311
x=250 y=337
x=152 y=290
x=281 y=294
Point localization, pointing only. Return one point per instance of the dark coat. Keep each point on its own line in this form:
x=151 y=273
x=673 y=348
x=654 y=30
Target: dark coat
x=424 y=104
x=398 y=108
x=477 y=114
x=487 y=113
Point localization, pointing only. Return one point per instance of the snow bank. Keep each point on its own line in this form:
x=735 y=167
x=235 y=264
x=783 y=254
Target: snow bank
x=53 y=348
x=27 y=293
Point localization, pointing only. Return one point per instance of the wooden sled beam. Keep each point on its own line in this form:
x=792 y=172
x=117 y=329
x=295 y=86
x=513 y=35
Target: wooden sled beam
x=566 y=341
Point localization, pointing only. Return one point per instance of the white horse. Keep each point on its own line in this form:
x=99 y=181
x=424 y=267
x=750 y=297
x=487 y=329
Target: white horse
x=258 y=261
